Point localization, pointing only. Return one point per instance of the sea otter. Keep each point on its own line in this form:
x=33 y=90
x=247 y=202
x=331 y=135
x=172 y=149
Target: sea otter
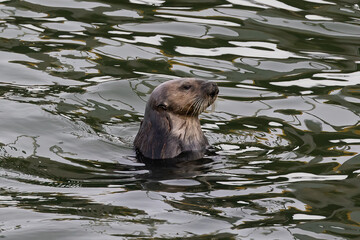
x=171 y=125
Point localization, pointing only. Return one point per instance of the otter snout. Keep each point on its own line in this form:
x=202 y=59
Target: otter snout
x=213 y=90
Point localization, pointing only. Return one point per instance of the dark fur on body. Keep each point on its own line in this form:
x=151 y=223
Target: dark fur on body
x=171 y=125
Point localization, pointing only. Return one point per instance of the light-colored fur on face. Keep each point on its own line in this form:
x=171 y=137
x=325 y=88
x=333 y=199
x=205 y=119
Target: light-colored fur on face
x=171 y=125
x=180 y=100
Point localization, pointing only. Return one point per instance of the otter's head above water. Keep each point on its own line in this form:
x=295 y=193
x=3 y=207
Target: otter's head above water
x=171 y=125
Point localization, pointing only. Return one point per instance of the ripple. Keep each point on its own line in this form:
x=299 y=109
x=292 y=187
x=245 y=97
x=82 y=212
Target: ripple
x=148 y=2
x=196 y=20
x=246 y=49
x=126 y=51
x=180 y=182
x=330 y=29
x=69 y=4
x=296 y=177
x=191 y=30
x=19 y=74
x=316 y=17
x=265 y=4
x=307 y=217
x=67 y=26
x=124 y=13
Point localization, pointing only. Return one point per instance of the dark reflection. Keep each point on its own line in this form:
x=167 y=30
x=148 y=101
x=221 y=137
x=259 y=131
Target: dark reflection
x=351 y=166
x=337 y=200
x=80 y=173
x=186 y=165
x=73 y=205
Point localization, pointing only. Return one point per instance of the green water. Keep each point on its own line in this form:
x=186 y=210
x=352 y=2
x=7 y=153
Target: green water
x=75 y=77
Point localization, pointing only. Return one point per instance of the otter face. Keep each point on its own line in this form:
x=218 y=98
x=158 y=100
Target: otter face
x=187 y=96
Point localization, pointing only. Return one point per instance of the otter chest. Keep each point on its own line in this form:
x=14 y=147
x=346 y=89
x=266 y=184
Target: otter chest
x=189 y=135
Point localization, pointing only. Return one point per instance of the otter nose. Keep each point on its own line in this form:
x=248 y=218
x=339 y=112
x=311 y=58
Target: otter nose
x=214 y=90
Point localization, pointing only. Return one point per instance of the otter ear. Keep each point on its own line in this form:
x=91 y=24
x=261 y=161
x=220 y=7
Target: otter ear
x=162 y=106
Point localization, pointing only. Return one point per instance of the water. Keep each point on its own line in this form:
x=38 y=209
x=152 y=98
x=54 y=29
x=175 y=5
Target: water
x=75 y=76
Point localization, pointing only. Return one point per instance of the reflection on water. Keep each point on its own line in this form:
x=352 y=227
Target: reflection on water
x=285 y=129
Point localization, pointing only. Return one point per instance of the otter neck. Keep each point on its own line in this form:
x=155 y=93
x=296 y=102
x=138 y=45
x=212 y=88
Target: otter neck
x=188 y=130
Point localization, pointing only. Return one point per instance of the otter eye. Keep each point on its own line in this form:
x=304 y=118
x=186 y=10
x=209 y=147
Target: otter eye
x=162 y=106
x=186 y=86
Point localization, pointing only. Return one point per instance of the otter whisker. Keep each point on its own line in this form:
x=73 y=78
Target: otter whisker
x=195 y=106
x=200 y=106
x=191 y=105
x=204 y=106
x=199 y=103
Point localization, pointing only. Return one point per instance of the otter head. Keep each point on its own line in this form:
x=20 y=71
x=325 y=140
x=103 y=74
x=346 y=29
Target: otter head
x=185 y=96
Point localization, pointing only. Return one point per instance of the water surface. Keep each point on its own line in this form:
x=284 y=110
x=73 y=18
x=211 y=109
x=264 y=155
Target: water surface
x=75 y=79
